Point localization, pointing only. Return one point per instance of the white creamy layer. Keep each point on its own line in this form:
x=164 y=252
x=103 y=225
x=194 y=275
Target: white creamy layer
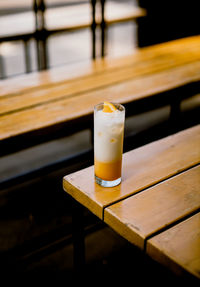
x=108 y=135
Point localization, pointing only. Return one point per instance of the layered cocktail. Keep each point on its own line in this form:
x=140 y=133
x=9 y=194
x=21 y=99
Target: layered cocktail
x=108 y=143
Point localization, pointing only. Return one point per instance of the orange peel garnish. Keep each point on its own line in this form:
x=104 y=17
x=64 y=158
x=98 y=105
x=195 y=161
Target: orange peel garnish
x=108 y=107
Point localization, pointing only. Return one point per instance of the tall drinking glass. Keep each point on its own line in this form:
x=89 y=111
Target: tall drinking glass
x=109 y=121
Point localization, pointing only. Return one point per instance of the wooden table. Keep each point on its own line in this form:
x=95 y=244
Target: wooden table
x=157 y=205
x=39 y=107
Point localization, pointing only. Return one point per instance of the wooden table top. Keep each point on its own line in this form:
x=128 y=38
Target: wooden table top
x=141 y=168
x=139 y=217
x=169 y=247
x=45 y=100
x=160 y=188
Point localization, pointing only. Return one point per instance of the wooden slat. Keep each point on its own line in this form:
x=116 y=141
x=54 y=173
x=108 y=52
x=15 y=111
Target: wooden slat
x=142 y=168
x=65 y=109
x=139 y=216
x=178 y=247
x=48 y=78
x=170 y=54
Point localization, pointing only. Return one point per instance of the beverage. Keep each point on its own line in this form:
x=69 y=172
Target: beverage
x=108 y=143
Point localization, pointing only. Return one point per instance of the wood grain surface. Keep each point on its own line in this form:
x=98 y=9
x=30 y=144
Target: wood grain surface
x=142 y=168
x=169 y=54
x=144 y=214
x=178 y=247
x=51 y=102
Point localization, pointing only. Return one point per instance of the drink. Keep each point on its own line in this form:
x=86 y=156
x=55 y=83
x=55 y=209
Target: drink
x=108 y=143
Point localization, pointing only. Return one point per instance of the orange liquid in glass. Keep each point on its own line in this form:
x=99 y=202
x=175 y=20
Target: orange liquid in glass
x=108 y=170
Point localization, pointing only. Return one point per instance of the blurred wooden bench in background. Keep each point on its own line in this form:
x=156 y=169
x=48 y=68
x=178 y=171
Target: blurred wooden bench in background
x=41 y=106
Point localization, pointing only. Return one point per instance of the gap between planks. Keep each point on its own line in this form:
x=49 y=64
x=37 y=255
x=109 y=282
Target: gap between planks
x=152 y=185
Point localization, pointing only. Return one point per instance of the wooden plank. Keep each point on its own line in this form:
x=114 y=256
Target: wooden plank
x=64 y=108
x=178 y=247
x=37 y=80
x=140 y=216
x=142 y=168
x=169 y=54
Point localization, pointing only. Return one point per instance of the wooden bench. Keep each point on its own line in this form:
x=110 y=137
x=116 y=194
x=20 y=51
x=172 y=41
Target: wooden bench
x=158 y=193
x=39 y=107
x=180 y=255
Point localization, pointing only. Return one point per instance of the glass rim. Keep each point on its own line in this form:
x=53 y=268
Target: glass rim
x=117 y=105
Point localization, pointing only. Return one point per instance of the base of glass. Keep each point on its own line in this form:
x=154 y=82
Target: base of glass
x=108 y=183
